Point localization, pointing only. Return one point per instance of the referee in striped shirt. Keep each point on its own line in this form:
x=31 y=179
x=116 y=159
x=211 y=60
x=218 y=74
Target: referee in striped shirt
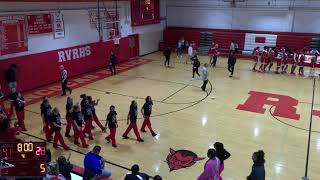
x=64 y=81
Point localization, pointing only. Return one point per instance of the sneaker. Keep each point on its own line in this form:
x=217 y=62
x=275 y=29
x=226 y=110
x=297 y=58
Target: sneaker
x=85 y=145
x=66 y=148
x=125 y=137
x=104 y=130
x=140 y=140
x=76 y=143
x=107 y=140
x=23 y=129
x=55 y=146
x=192 y=79
x=70 y=91
x=67 y=135
x=114 y=145
x=142 y=130
x=91 y=138
x=154 y=134
x=63 y=94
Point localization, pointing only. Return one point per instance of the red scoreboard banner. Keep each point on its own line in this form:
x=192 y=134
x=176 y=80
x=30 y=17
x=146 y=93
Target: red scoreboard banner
x=39 y=23
x=13 y=37
x=145 y=12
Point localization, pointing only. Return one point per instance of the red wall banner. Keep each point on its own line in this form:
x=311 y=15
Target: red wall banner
x=39 y=23
x=43 y=68
x=13 y=37
x=145 y=12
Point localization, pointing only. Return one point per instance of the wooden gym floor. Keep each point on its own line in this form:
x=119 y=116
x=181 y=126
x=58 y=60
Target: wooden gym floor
x=188 y=119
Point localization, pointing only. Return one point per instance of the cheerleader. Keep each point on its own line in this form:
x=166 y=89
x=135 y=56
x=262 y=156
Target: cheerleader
x=77 y=126
x=132 y=117
x=69 y=109
x=285 y=61
x=271 y=58
x=112 y=124
x=46 y=112
x=92 y=104
x=256 y=57
x=264 y=59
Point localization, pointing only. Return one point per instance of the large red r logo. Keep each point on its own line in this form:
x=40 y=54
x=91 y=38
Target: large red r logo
x=284 y=105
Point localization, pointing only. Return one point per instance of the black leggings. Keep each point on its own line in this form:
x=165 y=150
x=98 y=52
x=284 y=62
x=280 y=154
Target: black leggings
x=231 y=68
x=113 y=69
x=65 y=87
x=195 y=70
x=167 y=61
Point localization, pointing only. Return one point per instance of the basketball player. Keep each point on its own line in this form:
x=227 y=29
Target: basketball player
x=112 y=124
x=146 y=113
x=56 y=119
x=231 y=62
x=113 y=62
x=211 y=53
x=256 y=57
x=92 y=104
x=87 y=116
x=205 y=75
x=132 y=117
x=190 y=53
x=285 y=61
x=77 y=126
x=64 y=81
x=264 y=59
x=19 y=105
x=46 y=112
x=301 y=63
x=195 y=66
x=167 y=54
x=295 y=62
x=271 y=58
x=69 y=108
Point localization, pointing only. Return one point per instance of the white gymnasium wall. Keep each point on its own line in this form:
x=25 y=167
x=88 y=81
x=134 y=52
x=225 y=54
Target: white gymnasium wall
x=149 y=42
x=77 y=26
x=280 y=15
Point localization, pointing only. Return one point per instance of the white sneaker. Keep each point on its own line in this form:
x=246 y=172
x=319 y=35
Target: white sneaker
x=192 y=79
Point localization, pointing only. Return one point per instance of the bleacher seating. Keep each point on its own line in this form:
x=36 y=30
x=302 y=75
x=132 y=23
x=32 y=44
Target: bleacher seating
x=80 y=171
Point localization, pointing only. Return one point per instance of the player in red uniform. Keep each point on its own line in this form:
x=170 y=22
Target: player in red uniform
x=19 y=106
x=92 y=104
x=46 y=112
x=295 y=62
x=301 y=62
x=256 y=58
x=87 y=116
x=146 y=112
x=265 y=59
x=77 y=126
x=69 y=108
x=285 y=61
x=271 y=58
x=112 y=124
x=132 y=116
x=56 y=120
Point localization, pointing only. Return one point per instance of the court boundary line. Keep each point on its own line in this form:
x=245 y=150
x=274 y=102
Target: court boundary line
x=175 y=93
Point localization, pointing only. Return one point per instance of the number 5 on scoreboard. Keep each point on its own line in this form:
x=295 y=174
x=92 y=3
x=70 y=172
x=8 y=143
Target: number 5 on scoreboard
x=42 y=168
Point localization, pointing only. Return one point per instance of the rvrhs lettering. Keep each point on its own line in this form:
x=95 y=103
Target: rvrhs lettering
x=75 y=53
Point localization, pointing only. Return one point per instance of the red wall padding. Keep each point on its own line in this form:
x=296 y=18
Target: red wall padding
x=224 y=36
x=43 y=68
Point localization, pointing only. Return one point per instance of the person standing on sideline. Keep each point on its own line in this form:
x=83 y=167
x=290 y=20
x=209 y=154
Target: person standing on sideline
x=146 y=113
x=190 y=53
x=231 y=62
x=167 y=53
x=232 y=46
x=19 y=105
x=113 y=62
x=257 y=171
x=212 y=167
x=112 y=124
x=205 y=75
x=77 y=126
x=11 y=76
x=179 y=48
x=132 y=116
x=196 y=65
x=222 y=154
x=69 y=108
x=94 y=165
x=56 y=120
x=64 y=81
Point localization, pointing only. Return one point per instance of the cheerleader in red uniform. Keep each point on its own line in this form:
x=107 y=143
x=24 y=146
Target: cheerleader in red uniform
x=265 y=59
x=112 y=124
x=46 y=112
x=285 y=61
x=301 y=63
x=77 y=126
x=132 y=117
x=69 y=108
x=256 y=58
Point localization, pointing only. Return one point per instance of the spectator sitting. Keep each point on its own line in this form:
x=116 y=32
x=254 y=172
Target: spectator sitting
x=94 y=165
x=7 y=134
x=53 y=172
x=135 y=174
x=65 y=167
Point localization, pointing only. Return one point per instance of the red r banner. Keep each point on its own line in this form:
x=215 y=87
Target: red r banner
x=13 y=37
x=39 y=23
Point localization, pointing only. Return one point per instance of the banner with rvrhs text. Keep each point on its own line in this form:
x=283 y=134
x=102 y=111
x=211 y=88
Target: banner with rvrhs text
x=58 y=25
